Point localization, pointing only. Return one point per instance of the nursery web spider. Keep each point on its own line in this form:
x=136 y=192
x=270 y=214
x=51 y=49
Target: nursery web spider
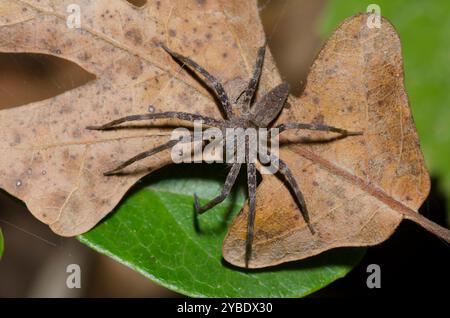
x=255 y=114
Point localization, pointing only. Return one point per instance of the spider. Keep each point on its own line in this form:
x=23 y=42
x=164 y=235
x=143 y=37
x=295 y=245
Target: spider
x=254 y=114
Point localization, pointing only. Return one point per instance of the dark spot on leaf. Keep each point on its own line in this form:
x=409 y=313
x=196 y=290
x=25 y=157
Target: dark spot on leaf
x=135 y=36
x=84 y=56
x=198 y=43
x=319 y=119
x=17 y=140
x=76 y=133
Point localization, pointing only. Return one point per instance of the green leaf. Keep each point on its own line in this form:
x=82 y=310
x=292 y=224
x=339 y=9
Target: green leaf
x=1 y=244
x=154 y=232
x=423 y=27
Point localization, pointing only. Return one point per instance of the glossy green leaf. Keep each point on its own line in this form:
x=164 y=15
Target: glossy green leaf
x=424 y=32
x=155 y=232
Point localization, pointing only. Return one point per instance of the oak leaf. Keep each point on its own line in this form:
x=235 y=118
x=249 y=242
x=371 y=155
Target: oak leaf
x=358 y=189
x=55 y=165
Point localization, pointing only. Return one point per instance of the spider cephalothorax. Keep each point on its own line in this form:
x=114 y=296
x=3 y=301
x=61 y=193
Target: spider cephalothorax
x=258 y=114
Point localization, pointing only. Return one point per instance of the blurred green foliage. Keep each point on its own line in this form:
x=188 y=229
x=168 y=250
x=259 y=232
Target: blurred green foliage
x=1 y=244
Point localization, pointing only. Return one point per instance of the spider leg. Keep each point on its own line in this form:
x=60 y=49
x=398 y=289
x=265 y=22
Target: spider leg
x=249 y=92
x=251 y=179
x=317 y=127
x=229 y=182
x=144 y=155
x=251 y=185
x=164 y=115
x=287 y=174
x=211 y=80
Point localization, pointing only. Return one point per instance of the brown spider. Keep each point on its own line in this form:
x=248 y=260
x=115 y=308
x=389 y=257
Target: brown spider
x=259 y=114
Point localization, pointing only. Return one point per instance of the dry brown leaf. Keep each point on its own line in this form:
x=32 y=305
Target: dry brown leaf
x=358 y=189
x=49 y=160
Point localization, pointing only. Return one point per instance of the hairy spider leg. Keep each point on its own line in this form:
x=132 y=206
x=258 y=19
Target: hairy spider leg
x=249 y=92
x=228 y=185
x=211 y=80
x=146 y=154
x=251 y=180
x=317 y=127
x=251 y=188
x=289 y=177
x=287 y=174
x=164 y=115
